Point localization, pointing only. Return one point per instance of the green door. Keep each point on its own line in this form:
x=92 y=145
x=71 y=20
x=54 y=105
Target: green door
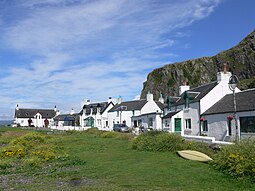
x=92 y=123
x=177 y=125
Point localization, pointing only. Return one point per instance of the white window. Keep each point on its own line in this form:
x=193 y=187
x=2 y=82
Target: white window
x=188 y=123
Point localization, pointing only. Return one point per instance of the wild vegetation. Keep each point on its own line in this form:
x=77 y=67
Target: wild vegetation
x=96 y=160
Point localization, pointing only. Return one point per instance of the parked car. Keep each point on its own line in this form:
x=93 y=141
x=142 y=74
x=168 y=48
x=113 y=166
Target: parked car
x=121 y=128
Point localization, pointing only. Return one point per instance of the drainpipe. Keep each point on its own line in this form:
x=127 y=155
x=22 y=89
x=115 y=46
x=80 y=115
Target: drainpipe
x=199 y=110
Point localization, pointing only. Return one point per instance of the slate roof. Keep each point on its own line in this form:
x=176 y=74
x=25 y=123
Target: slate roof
x=66 y=117
x=169 y=115
x=197 y=93
x=160 y=105
x=87 y=108
x=30 y=113
x=245 y=101
x=130 y=105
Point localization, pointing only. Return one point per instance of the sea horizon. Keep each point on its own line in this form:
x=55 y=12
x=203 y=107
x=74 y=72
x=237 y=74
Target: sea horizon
x=6 y=122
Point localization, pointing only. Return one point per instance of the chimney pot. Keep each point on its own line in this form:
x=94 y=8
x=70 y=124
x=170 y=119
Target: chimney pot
x=225 y=68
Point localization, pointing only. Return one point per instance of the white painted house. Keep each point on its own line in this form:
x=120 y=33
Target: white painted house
x=145 y=112
x=187 y=109
x=34 y=117
x=220 y=117
x=96 y=115
x=66 y=122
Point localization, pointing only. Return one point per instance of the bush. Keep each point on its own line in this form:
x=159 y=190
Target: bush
x=93 y=131
x=109 y=134
x=29 y=140
x=237 y=160
x=162 y=141
x=158 y=141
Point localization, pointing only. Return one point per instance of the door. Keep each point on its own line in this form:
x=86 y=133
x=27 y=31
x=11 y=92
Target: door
x=177 y=125
x=92 y=123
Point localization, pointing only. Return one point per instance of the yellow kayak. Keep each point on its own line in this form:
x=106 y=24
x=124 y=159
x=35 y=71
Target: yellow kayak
x=194 y=155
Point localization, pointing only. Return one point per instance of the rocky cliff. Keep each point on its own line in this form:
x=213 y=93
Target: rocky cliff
x=240 y=60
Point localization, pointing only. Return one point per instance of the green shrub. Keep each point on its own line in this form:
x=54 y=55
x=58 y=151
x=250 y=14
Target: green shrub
x=109 y=134
x=13 y=151
x=199 y=146
x=237 y=160
x=158 y=141
x=93 y=131
x=162 y=141
x=29 y=140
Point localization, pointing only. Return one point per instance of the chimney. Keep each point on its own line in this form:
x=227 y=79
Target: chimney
x=161 y=99
x=57 y=113
x=72 y=111
x=91 y=110
x=183 y=88
x=98 y=108
x=87 y=102
x=225 y=69
x=17 y=107
x=109 y=99
x=149 y=96
x=223 y=76
x=119 y=100
x=55 y=108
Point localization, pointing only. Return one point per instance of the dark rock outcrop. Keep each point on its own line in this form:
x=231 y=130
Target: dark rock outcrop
x=240 y=60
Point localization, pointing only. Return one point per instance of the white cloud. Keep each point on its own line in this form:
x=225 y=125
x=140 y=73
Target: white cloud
x=90 y=49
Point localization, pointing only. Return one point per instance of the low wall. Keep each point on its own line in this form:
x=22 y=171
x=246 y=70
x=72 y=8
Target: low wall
x=209 y=140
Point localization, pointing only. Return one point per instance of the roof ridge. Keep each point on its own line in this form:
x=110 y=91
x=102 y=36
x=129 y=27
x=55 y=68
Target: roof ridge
x=247 y=90
x=203 y=85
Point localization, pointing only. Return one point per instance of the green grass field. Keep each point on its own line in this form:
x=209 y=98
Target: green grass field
x=98 y=163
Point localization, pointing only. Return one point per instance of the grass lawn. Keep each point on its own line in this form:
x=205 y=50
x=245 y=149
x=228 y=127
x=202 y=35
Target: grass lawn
x=111 y=164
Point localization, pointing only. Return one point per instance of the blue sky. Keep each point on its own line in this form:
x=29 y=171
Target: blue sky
x=62 y=52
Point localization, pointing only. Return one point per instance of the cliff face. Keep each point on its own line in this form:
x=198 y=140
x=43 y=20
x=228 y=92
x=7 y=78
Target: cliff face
x=240 y=60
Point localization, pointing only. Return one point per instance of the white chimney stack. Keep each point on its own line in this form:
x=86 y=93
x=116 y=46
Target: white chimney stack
x=87 y=102
x=183 y=88
x=149 y=96
x=161 y=99
x=110 y=100
x=119 y=100
x=55 y=108
x=17 y=107
x=223 y=76
x=72 y=111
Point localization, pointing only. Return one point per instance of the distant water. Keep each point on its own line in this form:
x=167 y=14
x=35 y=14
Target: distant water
x=6 y=122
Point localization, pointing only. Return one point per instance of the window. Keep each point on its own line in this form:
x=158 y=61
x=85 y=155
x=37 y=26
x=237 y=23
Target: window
x=187 y=99
x=139 y=122
x=150 y=122
x=204 y=125
x=118 y=113
x=166 y=123
x=247 y=124
x=188 y=123
x=229 y=127
x=99 y=122
x=106 y=123
x=133 y=112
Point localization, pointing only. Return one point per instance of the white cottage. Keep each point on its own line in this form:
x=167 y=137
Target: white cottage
x=34 y=117
x=193 y=102
x=95 y=115
x=220 y=117
x=145 y=112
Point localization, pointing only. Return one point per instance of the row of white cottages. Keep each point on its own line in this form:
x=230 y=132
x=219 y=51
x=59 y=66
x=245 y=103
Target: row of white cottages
x=204 y=110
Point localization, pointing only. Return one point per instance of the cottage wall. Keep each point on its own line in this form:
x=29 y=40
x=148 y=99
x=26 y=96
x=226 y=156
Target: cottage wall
x=218 y=127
